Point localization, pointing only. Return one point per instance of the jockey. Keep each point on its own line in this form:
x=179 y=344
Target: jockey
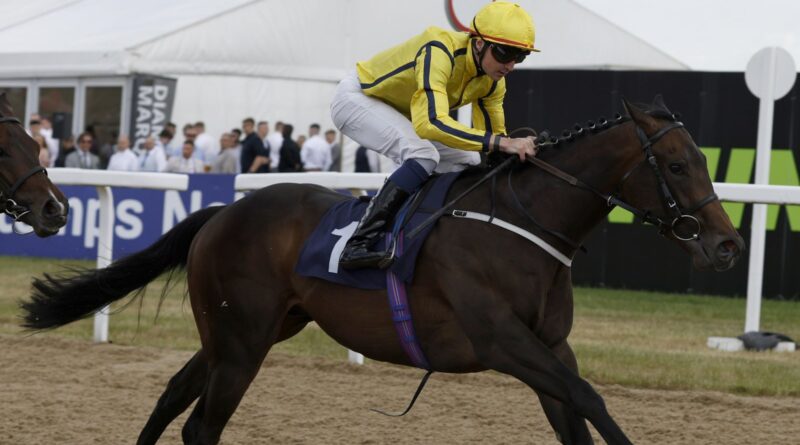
x=398 y=104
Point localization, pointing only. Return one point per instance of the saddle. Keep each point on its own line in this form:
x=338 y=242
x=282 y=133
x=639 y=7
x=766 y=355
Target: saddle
x=320 y=254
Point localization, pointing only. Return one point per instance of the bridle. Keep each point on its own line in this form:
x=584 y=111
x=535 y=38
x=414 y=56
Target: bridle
x=8 y=204
x=677 y=214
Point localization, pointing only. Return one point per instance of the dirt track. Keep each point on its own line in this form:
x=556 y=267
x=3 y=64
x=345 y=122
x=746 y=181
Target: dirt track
x=70 y=392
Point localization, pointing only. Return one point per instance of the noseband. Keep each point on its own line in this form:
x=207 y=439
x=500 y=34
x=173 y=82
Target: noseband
x=7 y=202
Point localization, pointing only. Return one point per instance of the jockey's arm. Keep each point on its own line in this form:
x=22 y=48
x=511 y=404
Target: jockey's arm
x=430 y=106
x=487 y=112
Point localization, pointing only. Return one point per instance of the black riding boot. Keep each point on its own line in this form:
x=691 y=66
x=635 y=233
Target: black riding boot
x=381 y=210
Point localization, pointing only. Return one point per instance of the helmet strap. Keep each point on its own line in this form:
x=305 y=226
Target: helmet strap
x=479 y=55
x=482 y=52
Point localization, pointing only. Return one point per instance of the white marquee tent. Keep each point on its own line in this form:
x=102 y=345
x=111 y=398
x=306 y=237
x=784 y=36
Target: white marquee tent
x=280 y=59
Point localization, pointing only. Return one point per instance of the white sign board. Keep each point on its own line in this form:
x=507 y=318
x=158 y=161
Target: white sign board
x=770 y=73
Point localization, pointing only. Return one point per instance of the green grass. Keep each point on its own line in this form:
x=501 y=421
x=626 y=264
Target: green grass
x=630 y=338
x=655 y=340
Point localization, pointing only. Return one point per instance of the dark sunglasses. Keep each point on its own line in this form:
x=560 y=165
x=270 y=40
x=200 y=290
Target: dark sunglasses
x=505 y=54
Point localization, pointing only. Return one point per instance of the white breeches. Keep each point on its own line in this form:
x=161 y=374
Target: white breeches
x=379 y=127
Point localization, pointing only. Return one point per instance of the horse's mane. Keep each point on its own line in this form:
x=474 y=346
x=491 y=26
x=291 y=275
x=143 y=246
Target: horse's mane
x=547 y=142
x=656 y=110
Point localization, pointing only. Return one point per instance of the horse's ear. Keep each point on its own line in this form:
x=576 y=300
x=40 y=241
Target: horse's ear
x=634 y=112
x=5 y=106
x=658 y=102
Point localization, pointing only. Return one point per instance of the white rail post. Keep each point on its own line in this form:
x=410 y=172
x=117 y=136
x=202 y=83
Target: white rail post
x=105 y=252
x=103 y=180
x=770 y=75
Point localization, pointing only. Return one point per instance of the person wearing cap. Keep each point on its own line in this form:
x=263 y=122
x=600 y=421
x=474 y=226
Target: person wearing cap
x=398 y=103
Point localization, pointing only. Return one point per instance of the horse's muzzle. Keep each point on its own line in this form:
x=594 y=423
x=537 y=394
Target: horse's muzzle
x=49 y=218
x=727 y=253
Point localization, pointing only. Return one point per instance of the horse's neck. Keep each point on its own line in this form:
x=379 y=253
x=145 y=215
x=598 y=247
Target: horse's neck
x=599 y=160
x=602 y=159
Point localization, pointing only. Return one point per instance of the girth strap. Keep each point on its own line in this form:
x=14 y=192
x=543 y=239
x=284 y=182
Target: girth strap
x=547 y=247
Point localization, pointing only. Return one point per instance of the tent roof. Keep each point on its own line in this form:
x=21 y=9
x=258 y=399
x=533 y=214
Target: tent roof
x=302 y=39
x=316 y=40
x=101 y=25
x=708 y=35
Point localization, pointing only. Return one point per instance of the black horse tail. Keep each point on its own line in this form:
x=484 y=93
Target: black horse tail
x=59 y=300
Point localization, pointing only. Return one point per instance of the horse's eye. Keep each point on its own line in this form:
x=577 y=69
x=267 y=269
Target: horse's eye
x=677 y=168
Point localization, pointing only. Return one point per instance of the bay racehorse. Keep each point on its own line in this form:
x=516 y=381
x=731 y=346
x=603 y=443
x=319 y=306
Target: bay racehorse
x=482 y=298
x=26 y=193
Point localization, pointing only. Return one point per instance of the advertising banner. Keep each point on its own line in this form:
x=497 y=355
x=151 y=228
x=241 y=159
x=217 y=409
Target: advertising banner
x=151 y=106
x=141 y=216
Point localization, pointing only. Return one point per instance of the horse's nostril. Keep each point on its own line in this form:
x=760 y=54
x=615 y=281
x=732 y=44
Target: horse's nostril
x=52 y=209
x=727 y=249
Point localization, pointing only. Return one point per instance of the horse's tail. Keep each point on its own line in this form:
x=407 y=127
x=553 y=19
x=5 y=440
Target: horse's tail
x=59 y=300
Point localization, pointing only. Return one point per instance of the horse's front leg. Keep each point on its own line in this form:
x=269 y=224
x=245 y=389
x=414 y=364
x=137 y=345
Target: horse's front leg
x=570 y=428
x=504 y=343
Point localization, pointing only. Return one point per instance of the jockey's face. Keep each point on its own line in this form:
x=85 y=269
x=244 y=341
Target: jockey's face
x=491 y=66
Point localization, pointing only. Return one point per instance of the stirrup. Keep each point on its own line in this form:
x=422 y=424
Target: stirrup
x=389 y=258
x=377 y=259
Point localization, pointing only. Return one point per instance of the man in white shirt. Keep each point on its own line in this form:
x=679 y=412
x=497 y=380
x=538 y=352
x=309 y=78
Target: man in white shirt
x=152 y=158
x=205 y=144
x=316 y=151
x=52 y=143
x=185 y=163
x=41 y=127
x=123 y=158
x=171 y=143
x=262 y=129
x=275 y=140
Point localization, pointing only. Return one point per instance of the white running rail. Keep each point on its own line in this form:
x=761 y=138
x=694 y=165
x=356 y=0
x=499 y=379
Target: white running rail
x=103 y=180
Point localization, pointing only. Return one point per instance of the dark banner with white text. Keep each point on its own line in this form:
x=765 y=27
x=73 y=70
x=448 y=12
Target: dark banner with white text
x=151 y=107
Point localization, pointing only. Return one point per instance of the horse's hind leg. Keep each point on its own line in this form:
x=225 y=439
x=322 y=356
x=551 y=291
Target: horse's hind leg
x=504 y=343
x=570 y=428
x=241 y=332
x=182 y=390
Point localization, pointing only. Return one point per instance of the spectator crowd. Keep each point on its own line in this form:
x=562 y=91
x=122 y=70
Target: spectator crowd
x=253 y=148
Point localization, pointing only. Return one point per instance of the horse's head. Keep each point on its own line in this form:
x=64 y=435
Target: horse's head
x=26 y=194
x=673 y=188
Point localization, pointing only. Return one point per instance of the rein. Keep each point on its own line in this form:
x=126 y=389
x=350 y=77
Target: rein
x=446 y=208
x=8 y=204
x=678 y=214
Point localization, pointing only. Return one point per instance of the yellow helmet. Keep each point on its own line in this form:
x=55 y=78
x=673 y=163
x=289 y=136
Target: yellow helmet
x=505 y=23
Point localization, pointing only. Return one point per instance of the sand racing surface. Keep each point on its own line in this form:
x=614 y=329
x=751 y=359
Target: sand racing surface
x=62 y=391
